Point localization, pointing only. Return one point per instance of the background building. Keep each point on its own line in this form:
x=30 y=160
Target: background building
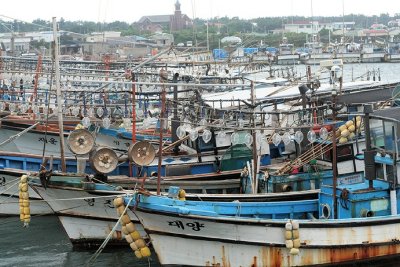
x=175 y=22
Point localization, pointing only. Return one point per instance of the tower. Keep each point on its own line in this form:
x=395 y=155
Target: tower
x=176 y=21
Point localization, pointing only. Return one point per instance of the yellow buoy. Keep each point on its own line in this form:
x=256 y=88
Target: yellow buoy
x=351 y=128
x=24 y=187
x=24 y=209
x=288 y=226
x=295 y=225
x=358 y=124
x=345 y=133
x=342 y=140
x=120 y=210
x=132 y=236
x=296 y=234
x=124 y=230
x=118 y=202
x=27 y=210
x=25 y=203
x=135 y=235
x=348 y=123
x=343 y=127
x=130 y=227
x=128 y=238
x=288 y=235
x=140 y=243
x=294 y=251
x=358 y=118
x=133 y=246
x=125 y=219
x=351 y=136
x=182 y=194
x=138 y=254
x=24 y=178
x=289 y=243
x=145 y=252
x=296 y=243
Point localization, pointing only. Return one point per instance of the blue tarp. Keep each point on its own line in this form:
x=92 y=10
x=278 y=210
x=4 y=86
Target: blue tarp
x=272 y=50
x=250 y=50
x=220 y=54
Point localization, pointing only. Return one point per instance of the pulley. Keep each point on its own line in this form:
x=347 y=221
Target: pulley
x=103 y=160
x=80 y=141
x=141 y=153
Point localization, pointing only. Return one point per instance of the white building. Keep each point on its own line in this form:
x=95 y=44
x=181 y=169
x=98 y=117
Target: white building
x=21 y=44
x=345 y=25
x=313 y=27
x=96 y=37
x=46 y=36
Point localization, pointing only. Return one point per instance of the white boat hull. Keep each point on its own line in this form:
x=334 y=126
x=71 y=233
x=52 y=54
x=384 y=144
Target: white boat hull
x=9 y=196
x=288 y=59
x=373 y=57
x=87 y=232
x=241 y=242
x=9 y=206
x=86 y=218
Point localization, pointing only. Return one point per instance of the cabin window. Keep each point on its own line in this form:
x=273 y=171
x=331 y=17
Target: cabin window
x=377 y=133
x=389 y=133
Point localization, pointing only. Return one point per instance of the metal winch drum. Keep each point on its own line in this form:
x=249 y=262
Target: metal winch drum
x=103 y=160
x=80 y=141
x=141 y=153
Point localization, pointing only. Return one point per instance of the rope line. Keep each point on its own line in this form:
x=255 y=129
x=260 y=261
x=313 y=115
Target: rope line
x=92 y=259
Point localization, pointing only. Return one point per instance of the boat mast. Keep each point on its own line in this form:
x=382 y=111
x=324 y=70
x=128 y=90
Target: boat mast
x=59 y=97
x=255 y=156
x=162 y=117
x=133 y=108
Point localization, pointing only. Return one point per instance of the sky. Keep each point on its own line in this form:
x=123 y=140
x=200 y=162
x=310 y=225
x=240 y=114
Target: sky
x=132 y=10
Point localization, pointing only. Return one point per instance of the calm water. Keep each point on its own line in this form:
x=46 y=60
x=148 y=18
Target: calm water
x=44 y=244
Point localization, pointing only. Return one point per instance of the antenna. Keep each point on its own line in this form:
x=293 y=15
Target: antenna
x=343 y=19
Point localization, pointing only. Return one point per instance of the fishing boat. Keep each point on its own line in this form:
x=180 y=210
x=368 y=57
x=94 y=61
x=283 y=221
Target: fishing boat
x=80 y=191
x=9 y=205
x=286 y=53
x=353 y=220
x=371 y=52
x=85 y=210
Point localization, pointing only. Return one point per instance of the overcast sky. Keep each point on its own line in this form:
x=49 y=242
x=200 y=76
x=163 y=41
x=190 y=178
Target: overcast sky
x=131 y=10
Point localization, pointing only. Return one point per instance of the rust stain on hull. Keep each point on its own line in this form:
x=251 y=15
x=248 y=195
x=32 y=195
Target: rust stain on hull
x=338 y=255
x=280 y=257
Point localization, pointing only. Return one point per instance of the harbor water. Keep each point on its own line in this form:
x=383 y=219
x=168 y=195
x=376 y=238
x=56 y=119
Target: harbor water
x=45 y=244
